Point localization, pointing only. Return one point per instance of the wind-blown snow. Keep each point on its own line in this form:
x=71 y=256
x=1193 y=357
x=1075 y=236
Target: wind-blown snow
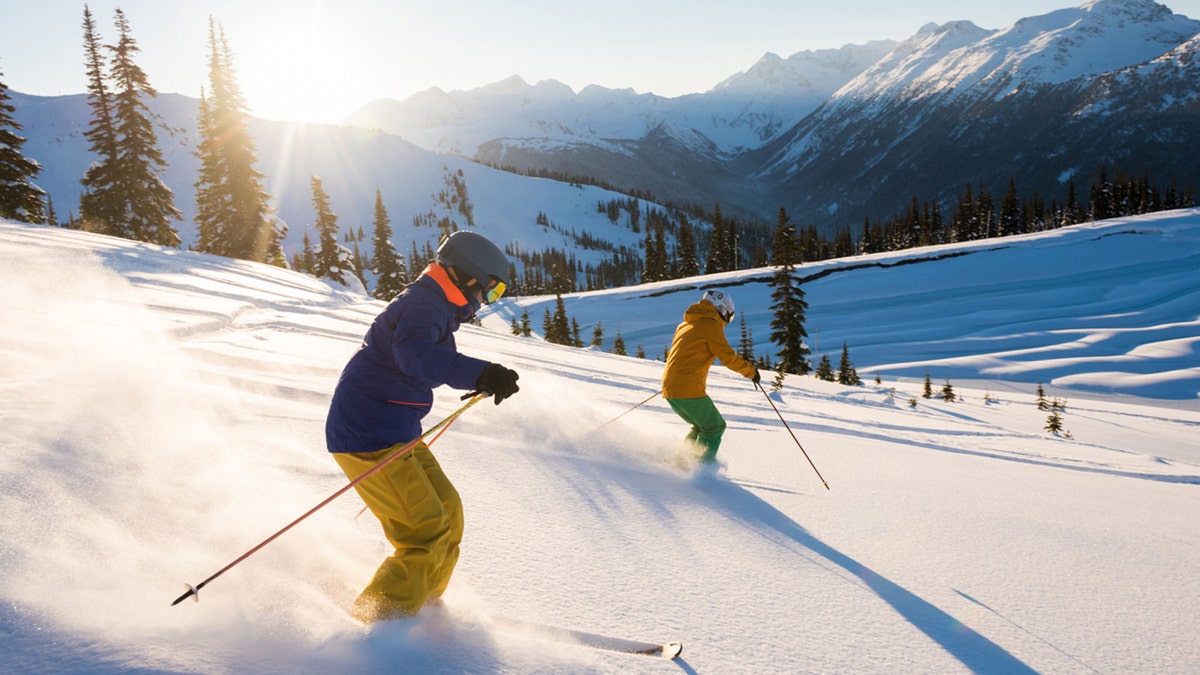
x=163 y=413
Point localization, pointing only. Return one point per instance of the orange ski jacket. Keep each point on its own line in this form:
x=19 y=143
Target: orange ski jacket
x=698 y=341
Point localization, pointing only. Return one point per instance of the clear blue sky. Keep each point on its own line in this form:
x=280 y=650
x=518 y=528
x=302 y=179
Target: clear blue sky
x=319 y=60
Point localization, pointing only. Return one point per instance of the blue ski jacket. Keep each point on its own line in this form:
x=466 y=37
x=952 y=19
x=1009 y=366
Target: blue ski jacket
x=387 y=387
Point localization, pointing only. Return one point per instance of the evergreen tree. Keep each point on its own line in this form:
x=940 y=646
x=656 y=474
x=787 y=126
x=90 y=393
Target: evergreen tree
x=1103 y=199
x=391 y=276
x=332 y=259
x=1011 y=221
x=1042 y=403
x=124 y=192
x=576 y=338
x=100 y=209
x=597 y=336
x=149 y=203
x=526 y=327
x=308 y=257
x=619 y=345
x=825 y=369
x=846 y=372
x=732 y=254
x=948 y=393
x=718 y=247
x=1072 y=213
x=746 y=339
x=685 y=243
x=927 y=392
x=788 y=303
x=1054 y=423
x=20 y=199
x=233 y=217
x=558 y=325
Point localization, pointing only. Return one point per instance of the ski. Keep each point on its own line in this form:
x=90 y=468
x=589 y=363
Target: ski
x=517 y=627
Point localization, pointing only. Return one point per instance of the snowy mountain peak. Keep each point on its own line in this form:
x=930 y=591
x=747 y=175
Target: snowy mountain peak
x=820 y=71
x=1097 y=37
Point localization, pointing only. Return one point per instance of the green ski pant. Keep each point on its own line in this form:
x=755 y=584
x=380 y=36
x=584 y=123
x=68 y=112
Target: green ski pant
x=707 y=424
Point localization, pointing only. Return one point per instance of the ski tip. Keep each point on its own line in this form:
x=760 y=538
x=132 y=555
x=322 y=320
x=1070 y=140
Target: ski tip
x=672 y=650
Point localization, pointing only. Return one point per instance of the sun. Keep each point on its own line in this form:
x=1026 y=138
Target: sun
x=297 y=77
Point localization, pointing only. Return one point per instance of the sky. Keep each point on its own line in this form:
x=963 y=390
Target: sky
x=357 y=51
x=163 y=413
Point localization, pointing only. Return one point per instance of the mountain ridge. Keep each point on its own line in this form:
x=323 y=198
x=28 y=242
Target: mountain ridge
x=764 y=139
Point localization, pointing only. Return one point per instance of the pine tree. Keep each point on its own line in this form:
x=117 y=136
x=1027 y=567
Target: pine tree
x=100 y=209
x=948 y=393
x=124 y=194
x=927 y=392
x=1054 y=423
x=718 y=247
x=825 y=369
x=233 y=217
x=745 y=340
x=20 y=199
x=1010 y=211
x=576 y=338
x=1042 y=403
x=388 y=264
x=526 y=327
x=685 y=249
x=619 y=345
x=559 y=328
x=846 y=372
x=149 y=204
x=732 y=254
x=788 y=303
x=332 y=261
x=597 y=336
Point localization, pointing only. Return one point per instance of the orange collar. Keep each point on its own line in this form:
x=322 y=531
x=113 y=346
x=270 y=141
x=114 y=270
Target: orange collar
x=453 y=294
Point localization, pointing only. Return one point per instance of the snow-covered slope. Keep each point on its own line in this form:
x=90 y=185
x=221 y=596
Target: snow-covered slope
x=163 y=413
x=1102 y=307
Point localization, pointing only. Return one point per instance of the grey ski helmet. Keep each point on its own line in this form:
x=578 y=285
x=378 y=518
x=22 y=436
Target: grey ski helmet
x=479 y=258
x=722 y=302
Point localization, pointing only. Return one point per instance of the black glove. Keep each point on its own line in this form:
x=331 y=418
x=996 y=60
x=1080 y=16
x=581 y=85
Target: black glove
x=757 y=377
x=498 y=381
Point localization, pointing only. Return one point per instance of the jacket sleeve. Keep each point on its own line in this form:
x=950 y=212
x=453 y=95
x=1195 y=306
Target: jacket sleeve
x=729 y=358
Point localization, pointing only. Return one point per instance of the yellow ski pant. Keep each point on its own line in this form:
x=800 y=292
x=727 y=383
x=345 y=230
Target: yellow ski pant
x=422 y=517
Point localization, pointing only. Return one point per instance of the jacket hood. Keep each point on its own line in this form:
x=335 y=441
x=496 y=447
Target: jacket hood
x=702 y=310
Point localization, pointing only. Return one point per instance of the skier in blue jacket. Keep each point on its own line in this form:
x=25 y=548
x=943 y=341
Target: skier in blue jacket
x=384 y=392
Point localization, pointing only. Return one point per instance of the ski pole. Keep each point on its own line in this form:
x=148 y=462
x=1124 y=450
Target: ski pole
x=194 y=591
x=651 y=396
x=789 y=429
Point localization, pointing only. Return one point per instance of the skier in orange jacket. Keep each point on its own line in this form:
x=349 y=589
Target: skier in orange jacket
x=698 y=341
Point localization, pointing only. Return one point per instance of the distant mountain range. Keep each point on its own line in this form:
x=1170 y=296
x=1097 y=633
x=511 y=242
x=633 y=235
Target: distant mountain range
x=836 y=136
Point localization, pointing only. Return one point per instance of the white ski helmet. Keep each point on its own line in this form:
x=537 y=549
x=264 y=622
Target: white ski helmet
x=722 y=302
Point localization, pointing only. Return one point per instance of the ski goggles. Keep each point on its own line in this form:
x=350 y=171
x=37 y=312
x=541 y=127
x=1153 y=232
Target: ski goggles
x=494 y=290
